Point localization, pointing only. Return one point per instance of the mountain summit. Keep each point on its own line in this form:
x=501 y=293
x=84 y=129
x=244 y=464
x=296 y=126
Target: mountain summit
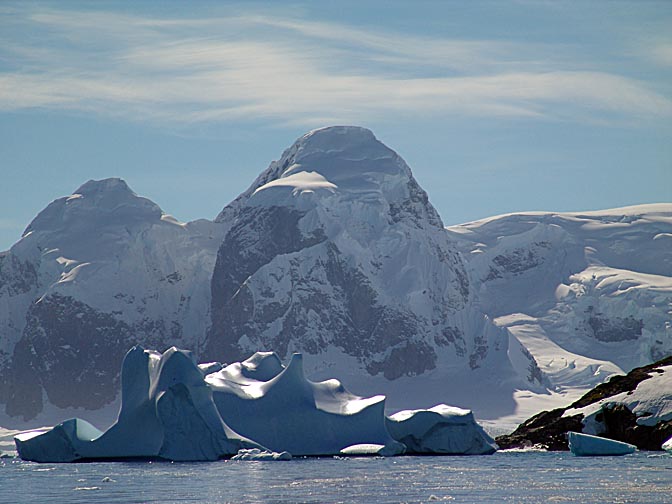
x=345 y=163
x=96 y=203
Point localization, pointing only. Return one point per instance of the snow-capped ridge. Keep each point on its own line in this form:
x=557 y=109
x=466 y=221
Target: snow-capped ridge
x=609 y=214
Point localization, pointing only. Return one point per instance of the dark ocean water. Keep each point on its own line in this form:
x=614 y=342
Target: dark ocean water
x=644 y=477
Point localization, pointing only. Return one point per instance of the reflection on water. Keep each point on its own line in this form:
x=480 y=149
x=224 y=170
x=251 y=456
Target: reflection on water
x=503 y=477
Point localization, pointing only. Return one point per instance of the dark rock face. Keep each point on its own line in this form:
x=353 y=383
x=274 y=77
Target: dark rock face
x=73 y=352
x=417 y=207
x=615 y=328
x=16 y=276
x=350 y=315
x=259 y=235
x=622 y=425
x=549 y=428
x=518 y=261
x=410 y=359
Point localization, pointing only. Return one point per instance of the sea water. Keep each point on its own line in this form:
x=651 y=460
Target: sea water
x=527 y=477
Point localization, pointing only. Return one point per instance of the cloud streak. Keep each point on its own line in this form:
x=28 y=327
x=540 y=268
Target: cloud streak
x=186 y=71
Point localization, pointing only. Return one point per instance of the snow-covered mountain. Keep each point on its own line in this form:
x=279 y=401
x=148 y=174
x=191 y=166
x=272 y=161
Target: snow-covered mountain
x=580 y=292
x=335 y=251
x=93 y=274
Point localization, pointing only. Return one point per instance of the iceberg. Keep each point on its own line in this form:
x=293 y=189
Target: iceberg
x=442 y=430
x=282 y=410
x=175 y=409
x=587 y=445
x=166 y=412
x=667 y=445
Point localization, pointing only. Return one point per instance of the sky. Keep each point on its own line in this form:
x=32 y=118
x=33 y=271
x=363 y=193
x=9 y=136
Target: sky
x=497 y=106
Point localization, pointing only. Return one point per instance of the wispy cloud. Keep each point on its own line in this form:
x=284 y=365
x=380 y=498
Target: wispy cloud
x=297 y=71
x=661 y=53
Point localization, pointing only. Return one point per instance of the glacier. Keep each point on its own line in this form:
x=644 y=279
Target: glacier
x=258 y=409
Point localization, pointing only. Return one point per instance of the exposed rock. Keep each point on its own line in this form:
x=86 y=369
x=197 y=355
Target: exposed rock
x=616 y=419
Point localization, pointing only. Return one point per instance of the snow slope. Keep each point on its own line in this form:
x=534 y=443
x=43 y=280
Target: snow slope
x=582 y=295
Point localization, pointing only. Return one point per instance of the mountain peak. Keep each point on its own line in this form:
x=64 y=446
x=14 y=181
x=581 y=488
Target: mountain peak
x=335 y=137
x=338 y=151
x=94 y=204
x=112 y=184
x=340 y=163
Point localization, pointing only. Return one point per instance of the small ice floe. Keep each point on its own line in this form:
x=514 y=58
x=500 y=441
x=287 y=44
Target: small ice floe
x=372 y=449
x=257 y=454
x=587 y=445
x=107 y=479
x=667 y=445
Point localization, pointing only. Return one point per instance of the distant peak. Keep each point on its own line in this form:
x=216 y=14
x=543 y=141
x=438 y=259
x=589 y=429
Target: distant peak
x=113 y=184
x=96 y=203
x=340 y=139
x=347 y=161
x=345 y=134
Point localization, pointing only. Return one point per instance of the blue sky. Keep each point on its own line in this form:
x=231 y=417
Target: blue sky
x=496 y=106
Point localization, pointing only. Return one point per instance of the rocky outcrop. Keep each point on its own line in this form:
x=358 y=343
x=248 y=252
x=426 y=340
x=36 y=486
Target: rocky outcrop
x=635 y=408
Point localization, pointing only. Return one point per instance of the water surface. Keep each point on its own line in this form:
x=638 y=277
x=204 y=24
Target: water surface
x=644 y=477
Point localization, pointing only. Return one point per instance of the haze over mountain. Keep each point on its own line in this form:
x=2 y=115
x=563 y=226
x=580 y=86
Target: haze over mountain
x=336 y=252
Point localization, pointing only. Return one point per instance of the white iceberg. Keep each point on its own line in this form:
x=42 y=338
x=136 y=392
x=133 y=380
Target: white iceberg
x=587 y=445
x=258 y=409
x=282 y=410
x=440 y=430
x=667 y=445
x=166 y=412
